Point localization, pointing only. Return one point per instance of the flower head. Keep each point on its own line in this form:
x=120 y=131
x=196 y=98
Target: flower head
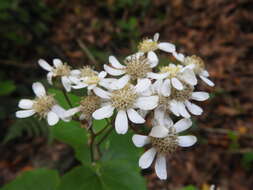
x=45 y=106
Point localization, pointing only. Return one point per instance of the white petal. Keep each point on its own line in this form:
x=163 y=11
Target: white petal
x=177 y=84
x=152 y=57
x=159 y=115
x=182 y=110
x=165 y=90
x=206 y=80
x=186 y=141
x=168 y=121
x=182 y=125
x=49 y=78
x=80 y=85
x=66 y=83
x=178 y=56
x=52 y=118
x=160 y=167
x=159 y=131
x=168 y=47
x=24 y=113
x=121 y=122
x=112 y=71
x=120 y=83
x=189 y=77
x=134 y=116
x=115 y=63
x=75 y=72
x=102 y=93
x=174 y=107
x=45 y=65
x=147 y=103
x=104 y=112
x=147 y=158
x=25 y=104
x=38 y=89
x=142 y=85
x=91 y=87
x=156 y=75
x=156 y=37
x=140 y=140
x=57 y=62
x=102 y=74
x=204 y=73
x=193 y=108
x=71 y=112
x=60 y=111
x=200 y=96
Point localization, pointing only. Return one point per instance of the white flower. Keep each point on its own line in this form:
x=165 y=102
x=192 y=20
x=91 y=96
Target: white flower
x=197 y=64
x=125 y=101
x=43 y=105
x=136 y=67
x=164 y=139
x=150 y=45
x=88 y=78
x=177 y=74
x=58 y=70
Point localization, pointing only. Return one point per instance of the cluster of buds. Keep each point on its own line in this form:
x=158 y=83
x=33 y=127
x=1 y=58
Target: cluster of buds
x=137 y=90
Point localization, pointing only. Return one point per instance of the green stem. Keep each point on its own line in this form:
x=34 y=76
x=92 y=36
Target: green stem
x=67 y=98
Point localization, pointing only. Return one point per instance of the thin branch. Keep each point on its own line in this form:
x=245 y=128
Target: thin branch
x=67 y=98
x=105 y=136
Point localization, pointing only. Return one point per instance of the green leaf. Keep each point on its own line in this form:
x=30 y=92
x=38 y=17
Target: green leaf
x=71 y=134
x=40 y=179
x=247 y=160
x=120 y=147
x=7 y=87
x=111 y=175
x=189 y=187
x=59 y=96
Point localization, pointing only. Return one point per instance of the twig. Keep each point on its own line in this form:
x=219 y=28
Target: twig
x=87 y=52
x=67 y=98
x=105 y=136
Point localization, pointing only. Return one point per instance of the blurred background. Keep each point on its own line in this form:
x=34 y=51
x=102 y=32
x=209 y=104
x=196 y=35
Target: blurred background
x=84 y=32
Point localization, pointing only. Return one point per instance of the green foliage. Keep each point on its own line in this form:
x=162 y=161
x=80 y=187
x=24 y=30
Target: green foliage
x=234 y=140
x=7 y=87
x=189 y=187
x=247 y=160
x=40 y=179
x=30 y=126
x=111 y=175
x=71 y=134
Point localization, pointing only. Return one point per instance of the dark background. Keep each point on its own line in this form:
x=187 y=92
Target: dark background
x=87 y=32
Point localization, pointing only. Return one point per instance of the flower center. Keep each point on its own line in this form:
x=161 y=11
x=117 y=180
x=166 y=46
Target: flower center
x=172 y=70
x=89 y=104
x=42 y=105
x=86 y=71
x=63 y=70
x=137 y=67
x=168 y=144
x=147 y=45
x=182 y=95
x=124 y=98
x=91 y=80
x=197 y=61
x=163 y=100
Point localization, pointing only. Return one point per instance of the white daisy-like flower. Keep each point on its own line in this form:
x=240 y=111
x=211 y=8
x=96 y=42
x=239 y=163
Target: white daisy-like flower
x=88 y=78
x=149 y=46
x=164 y=140
x=58 y=70
x=180 y=100
x=136 y=67
x=197 y=64
x=177 y=75
x=45 y=106
x=125 y=101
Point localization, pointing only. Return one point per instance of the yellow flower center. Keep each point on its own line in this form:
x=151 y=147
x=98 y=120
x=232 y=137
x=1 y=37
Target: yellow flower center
x=42 y=105
x=195 y=60
x=137 y=67
x=89 y=104
x=182 y=95
x=172 y=70
x=147 y=45
x=124 y=98
x=86 y=71
x=63 y=70
x=168 y=144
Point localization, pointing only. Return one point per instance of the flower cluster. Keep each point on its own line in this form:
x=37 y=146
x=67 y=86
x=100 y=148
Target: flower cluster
x=138 y=89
